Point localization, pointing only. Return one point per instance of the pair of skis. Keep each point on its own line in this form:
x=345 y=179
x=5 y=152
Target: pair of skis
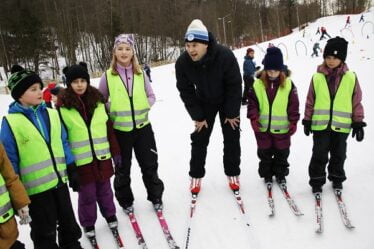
x=164 y=226
x=342 y=210
x=291 y=203
x=116 y=237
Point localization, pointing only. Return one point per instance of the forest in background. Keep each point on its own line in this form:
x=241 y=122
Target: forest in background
x=36 y=33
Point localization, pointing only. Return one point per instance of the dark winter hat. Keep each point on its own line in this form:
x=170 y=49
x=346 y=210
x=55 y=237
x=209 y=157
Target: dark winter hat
x=21 y=80
x=55 y=90
x=249 y=50
x=197 y=32
x=273 y=59
x=336 y=47
x=77 y=71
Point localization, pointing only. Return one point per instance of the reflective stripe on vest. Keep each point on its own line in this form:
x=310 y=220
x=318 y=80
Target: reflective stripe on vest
x=124 y=113
x=341 y=119
x=79 y=136
x=40 y=165
x=6 y=209
x=278 y=117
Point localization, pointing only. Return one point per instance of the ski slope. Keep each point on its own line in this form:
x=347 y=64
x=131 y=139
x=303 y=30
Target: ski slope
x=217 y=222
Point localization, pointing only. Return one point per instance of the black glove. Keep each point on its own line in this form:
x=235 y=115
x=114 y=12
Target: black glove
x=307 y=127
x=117 y=161
x=358 y=130
x=73 y=176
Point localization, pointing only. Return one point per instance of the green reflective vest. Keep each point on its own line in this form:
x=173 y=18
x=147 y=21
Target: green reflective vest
x=41 y=164
x=80 y=136
x=126 y=111
x=338 y=110
x=6 y=209
x=274 y=117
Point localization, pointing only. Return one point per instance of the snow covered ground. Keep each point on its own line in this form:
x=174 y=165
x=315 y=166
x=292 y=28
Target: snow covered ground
x=217 y=222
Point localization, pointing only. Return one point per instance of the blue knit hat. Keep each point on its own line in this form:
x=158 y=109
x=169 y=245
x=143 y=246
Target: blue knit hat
x=197 y=32
x=273 y=59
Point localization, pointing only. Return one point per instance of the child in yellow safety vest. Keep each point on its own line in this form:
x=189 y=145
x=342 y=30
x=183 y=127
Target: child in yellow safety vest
x=130 y=97
x=93 y=143
x=13 y=199
x=273 y=109
x=333 y=107
x=35 y=142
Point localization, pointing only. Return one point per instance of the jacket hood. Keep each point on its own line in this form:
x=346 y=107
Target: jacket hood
x=16 y=107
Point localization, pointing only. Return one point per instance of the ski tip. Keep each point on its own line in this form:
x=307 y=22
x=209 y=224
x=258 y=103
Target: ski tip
x=350 y=227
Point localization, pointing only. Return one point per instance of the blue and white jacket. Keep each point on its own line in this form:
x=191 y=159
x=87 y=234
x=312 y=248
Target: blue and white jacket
x=39 y=117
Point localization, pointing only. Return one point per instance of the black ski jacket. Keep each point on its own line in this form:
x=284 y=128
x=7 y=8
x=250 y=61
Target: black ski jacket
x=214 y=80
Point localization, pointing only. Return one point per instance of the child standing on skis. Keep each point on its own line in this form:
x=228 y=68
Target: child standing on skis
x=130 y=96
x=333 y=107
x=273 y=109
x=13 y=198
x=35 y=142
x=93 y=143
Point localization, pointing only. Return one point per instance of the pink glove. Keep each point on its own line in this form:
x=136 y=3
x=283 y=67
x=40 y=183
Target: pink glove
x=255 y=125
x=292 y=128
x=24 y=215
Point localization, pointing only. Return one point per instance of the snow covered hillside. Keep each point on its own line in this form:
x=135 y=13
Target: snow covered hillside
x=217 y=222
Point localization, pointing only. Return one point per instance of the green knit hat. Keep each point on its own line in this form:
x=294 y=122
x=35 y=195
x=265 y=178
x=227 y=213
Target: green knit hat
x=21 y=80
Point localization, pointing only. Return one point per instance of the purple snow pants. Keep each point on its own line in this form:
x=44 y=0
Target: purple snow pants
x=100 y=192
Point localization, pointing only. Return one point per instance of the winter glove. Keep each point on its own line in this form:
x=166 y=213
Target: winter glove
x=292 y=128
x=24 y=215
x=73 y=177
x=117 y=161
x=358 y=130
x=255 y=125
x=307 y=127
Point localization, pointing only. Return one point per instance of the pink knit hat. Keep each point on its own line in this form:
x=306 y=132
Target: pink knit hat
x=124 y=38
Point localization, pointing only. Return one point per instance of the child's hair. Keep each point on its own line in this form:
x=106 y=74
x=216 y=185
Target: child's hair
x=134 y=60
x=265 y=78
x=67 y=98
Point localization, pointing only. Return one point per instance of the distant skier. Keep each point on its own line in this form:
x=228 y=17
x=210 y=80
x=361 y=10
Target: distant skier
x=362 y=18
x=348 y=22
x=147 y=70
x=324 y=32
x=315 y=49
x=249 y=69
x=63 y=77
x=318 y=32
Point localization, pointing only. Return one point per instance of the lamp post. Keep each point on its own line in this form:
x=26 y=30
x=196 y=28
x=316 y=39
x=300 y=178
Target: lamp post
x=223 y=25
x=232 y=34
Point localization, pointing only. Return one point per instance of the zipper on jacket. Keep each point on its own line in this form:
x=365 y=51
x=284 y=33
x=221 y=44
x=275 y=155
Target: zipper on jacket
x=270 y=108
x=332 y=98
x=131 y=98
